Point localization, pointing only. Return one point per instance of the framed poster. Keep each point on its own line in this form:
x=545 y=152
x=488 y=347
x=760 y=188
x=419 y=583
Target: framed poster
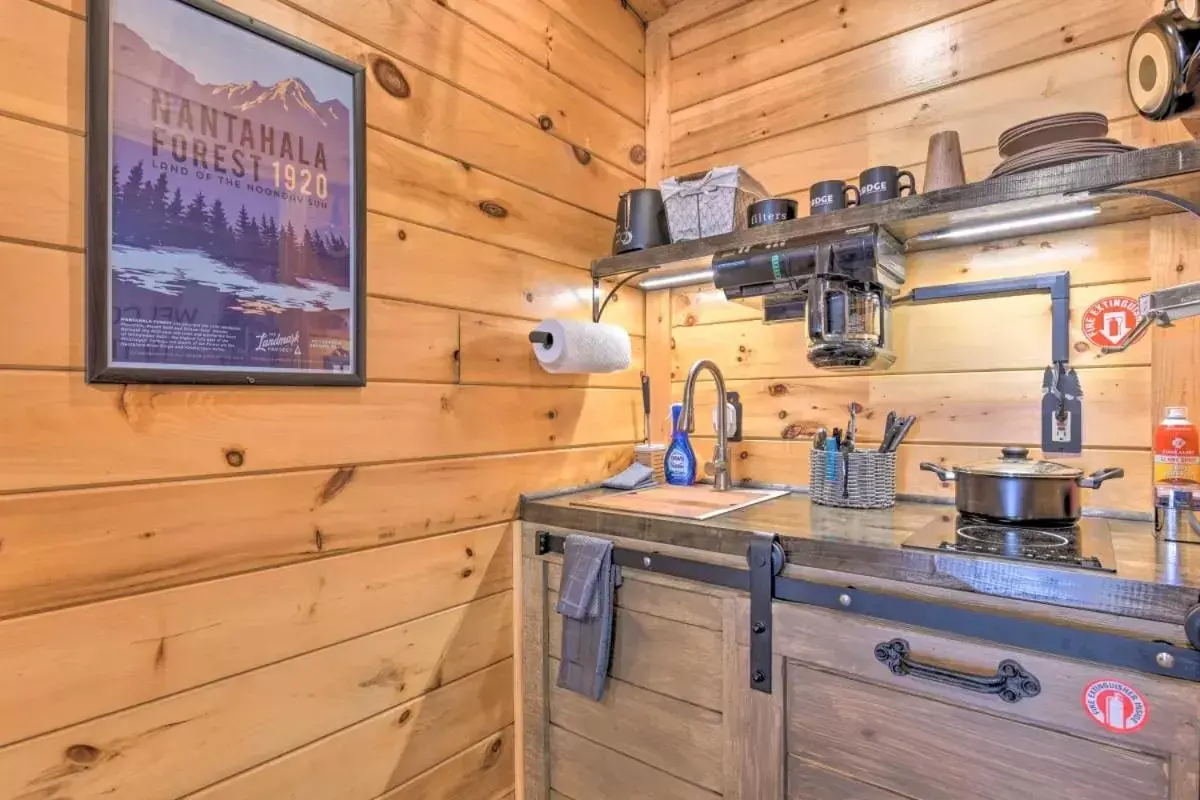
x=226 y=201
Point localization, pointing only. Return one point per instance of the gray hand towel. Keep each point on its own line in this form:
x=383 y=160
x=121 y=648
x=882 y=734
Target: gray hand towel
x=638 y=476
x=585 y=602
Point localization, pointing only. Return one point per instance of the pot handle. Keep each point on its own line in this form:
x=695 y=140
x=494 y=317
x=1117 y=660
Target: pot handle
x=1094 y=480
x=947 y=475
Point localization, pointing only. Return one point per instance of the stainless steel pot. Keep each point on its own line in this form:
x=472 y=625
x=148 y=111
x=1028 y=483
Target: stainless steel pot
x=1019 y=490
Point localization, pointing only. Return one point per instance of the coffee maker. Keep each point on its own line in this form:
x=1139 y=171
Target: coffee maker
x=841 y=282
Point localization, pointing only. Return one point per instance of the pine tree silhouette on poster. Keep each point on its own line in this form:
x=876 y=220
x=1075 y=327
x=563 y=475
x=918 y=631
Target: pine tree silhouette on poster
x=150 y=214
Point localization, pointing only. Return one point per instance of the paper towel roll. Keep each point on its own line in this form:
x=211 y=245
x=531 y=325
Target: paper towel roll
x=582 y=347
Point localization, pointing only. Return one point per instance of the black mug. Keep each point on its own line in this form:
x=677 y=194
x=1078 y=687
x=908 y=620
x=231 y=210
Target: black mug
x=772 y=210
x=880 y=184
x=827 y=196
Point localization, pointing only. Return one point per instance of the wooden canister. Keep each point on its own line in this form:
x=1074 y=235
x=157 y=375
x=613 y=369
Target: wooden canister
x=654 y=457
x=944 y=167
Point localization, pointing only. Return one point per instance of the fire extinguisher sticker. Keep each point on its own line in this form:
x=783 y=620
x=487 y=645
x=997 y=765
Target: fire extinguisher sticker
x=1116 y=706
x=1109 y=321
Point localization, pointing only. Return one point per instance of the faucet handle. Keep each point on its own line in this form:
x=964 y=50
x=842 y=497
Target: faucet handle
x=710 y=468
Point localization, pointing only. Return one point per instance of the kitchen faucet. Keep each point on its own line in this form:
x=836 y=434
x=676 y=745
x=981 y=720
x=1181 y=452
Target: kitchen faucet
x=719 y=466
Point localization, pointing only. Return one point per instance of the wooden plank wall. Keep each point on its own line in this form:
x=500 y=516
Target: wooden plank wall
x=331 y=618
x=798 y=91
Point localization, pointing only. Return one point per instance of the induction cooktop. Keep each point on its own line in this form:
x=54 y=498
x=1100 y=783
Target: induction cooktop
x=1086 y=544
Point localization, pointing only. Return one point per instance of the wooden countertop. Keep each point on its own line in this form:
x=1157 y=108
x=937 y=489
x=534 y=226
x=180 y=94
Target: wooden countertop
x=1153 y=581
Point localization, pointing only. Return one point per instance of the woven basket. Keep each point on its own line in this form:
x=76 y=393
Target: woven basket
x=710 y=203
x=872 y=482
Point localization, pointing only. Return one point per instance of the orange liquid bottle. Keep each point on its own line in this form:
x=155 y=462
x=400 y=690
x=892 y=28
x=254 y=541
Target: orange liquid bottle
x=1176 y=461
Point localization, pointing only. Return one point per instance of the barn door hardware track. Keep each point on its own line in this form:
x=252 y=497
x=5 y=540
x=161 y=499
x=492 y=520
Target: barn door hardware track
x=766 y=584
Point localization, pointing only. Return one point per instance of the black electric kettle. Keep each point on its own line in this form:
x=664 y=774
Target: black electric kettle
x=641 y=221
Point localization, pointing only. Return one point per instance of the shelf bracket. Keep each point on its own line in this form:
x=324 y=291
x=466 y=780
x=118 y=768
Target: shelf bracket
x=597 y=306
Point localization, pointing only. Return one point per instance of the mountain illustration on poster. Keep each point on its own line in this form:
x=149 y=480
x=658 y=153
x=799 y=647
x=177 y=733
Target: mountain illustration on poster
x=232 y=198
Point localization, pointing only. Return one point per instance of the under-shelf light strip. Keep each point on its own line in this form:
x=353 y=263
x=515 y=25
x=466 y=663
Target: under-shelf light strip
x=682 y=279
x=966 y=232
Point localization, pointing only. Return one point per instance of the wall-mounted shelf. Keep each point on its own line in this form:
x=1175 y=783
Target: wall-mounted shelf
x=1052 y=199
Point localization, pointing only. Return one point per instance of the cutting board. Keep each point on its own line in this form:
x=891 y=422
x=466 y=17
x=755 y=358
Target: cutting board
x=687 y=502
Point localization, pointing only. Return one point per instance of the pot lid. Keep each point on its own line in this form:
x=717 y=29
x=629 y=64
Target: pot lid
x=1016 y=463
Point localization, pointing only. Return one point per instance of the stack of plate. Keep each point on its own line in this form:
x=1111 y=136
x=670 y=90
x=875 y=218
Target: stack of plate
x=1051 y=141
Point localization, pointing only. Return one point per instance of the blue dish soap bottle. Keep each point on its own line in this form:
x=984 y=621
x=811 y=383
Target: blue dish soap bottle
x=680 y=460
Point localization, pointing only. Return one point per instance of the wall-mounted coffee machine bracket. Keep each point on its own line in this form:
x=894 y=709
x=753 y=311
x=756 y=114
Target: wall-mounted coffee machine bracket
x=1062 y=394
x=845 y=283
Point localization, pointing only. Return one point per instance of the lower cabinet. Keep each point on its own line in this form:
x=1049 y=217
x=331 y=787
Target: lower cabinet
x=854 y=730
x=680 y=722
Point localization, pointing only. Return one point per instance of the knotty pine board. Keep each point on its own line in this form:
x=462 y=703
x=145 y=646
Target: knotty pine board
x=1175 y=258
x=43 y=196
x=810 y=33
x=411 y=341
x=697 y=23
x=610 y=25
x=898 y=132
x=236 y=724
x=48 y=50
x=408 y=261
x=144 y=647
x=426 y=34
x=412 y=183
x=994 y=408
x=786 y=462
x=368 y=758
x=658 y=105
x=478 y=773
x=989 y=38
x=549 y=39
x=66 y=547
x=76 y=435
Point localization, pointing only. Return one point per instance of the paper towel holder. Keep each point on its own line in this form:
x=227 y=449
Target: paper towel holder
x=544 y=338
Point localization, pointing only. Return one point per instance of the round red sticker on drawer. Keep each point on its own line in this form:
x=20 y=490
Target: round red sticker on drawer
x=1117 y=706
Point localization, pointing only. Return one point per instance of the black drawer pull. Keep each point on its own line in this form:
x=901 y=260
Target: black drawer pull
x=1011 y=682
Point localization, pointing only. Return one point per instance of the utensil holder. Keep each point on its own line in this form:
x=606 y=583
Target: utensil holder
x=871 y=483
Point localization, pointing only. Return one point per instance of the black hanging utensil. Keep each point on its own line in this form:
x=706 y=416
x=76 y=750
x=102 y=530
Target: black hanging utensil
x=646 y=403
